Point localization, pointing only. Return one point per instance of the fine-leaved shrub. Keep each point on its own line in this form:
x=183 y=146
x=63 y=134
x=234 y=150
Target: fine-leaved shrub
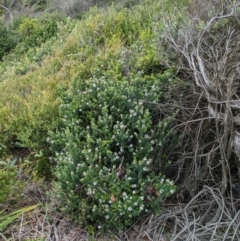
x=107 y=150
x=29 y=92
x=33 y=32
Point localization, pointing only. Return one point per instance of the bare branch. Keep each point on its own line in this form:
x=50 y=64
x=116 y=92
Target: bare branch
x=8 y=10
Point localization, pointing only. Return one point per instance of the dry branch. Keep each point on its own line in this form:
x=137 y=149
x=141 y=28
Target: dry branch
x=208 y=51
x=185 y=222
x=205 y=49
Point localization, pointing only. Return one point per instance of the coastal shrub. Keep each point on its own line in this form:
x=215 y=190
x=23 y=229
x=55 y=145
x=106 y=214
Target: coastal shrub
x=29 y=112
x=32 y=79
x=107 y=150
x=33 y=32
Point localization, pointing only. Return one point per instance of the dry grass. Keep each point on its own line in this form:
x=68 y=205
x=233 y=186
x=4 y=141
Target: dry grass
x=44 y=222
x=195 y=220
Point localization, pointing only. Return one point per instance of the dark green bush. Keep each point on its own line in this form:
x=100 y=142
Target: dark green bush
x=107 y=150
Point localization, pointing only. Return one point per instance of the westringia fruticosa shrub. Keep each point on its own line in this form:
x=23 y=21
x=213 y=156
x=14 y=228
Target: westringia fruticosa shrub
x=107 y=150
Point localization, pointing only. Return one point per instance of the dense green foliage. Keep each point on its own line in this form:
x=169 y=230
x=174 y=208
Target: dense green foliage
x=8 y=178
x=32 y=32
x=107 y=151
x=87 y=92
x=28 y=112
x=7 y=41
x=109 y=122
x=100 y=110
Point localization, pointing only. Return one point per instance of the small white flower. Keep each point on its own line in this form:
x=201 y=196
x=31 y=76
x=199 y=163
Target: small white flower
x=129 y=208
x=124 y=195
x=107 y=216
x=95 y=183
x=171 y=191
x=99 y=226
x=89 y=192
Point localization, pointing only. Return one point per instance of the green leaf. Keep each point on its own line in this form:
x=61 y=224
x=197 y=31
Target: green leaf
x=9 y=218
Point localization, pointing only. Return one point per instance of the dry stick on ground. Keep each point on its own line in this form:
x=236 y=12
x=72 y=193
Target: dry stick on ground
x=187 y=226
